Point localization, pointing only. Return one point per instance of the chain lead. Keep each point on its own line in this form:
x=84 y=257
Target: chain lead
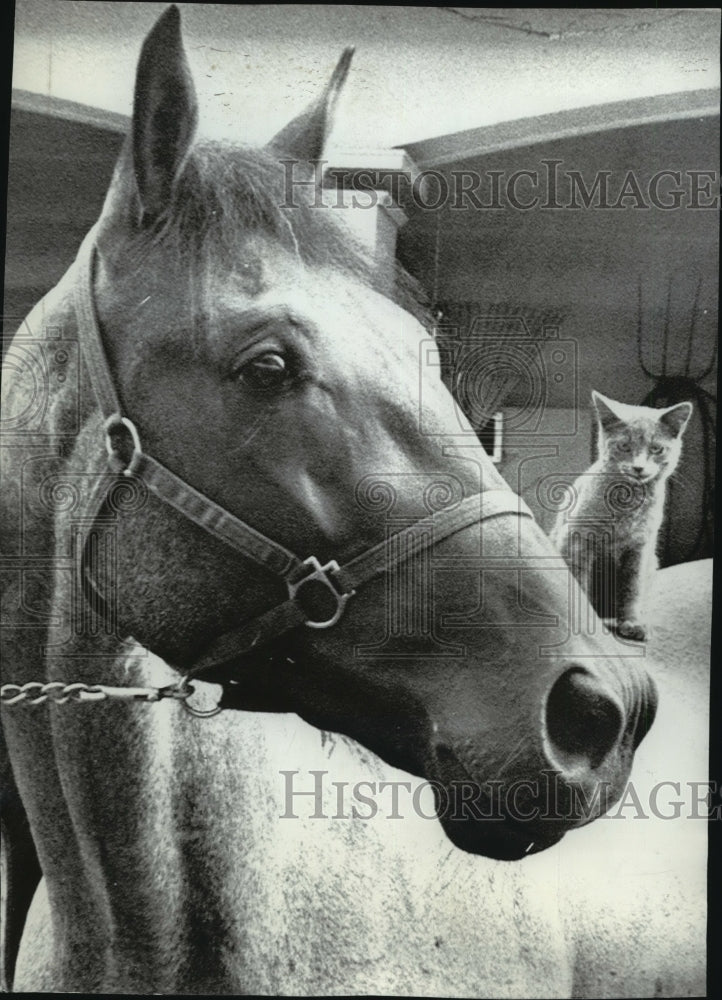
x=59 y=693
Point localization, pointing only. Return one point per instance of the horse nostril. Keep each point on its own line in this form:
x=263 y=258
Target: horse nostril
x=582 y=723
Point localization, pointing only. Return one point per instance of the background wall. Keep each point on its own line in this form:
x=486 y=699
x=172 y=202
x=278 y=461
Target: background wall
x=583 y=267
x=59 y=173
x=575 y=277
x=418 y=71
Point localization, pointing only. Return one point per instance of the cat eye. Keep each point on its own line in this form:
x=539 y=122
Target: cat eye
x=624 y=446
x=655 y=449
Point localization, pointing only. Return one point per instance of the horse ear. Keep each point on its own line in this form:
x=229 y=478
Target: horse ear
x=305 y=136
x=606 y=412
x=676 y=417
x=164 y=114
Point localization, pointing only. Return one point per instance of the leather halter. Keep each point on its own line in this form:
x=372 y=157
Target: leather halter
x=341 y=582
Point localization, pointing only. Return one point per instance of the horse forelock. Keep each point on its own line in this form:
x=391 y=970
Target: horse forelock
x=228 y=201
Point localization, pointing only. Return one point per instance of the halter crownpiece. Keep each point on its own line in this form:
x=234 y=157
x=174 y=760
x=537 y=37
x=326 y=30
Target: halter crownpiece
x=126 y=458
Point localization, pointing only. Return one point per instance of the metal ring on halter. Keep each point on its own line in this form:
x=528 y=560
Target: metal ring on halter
x=321 y=574
x=114 y=423
x=184 y=690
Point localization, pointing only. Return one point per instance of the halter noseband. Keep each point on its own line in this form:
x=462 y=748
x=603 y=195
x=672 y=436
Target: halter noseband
x=341 y=582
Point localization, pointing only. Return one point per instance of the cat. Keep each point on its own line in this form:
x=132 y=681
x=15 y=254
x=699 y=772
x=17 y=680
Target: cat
x=609 y=536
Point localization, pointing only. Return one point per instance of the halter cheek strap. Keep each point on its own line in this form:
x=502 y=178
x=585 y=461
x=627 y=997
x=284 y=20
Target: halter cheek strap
x=125 y=457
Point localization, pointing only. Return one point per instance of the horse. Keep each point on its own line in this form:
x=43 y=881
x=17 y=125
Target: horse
x=249 y=386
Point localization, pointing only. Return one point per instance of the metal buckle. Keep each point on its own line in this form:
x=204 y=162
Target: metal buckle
x=320 y=574
x=116 y=461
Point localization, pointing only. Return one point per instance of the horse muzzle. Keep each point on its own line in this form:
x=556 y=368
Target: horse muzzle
x=559 y=775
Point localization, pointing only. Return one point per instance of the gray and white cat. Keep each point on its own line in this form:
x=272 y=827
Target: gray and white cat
x=609 y=537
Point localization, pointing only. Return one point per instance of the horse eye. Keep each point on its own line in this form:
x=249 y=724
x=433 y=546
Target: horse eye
x=267 y=371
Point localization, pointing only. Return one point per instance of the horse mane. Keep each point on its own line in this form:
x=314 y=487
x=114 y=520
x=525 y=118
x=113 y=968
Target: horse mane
x=228 y=193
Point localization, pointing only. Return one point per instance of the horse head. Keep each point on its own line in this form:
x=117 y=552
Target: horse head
x=262 y=360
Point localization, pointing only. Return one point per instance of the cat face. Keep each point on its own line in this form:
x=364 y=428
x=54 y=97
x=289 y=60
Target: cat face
x=639 y=441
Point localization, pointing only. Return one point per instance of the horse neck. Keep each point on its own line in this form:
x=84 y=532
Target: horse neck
x=151 y=828
x=193 y=879
x=161 y=841
x=108 y=798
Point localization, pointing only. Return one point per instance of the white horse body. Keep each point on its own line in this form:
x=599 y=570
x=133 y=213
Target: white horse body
x=389 y=906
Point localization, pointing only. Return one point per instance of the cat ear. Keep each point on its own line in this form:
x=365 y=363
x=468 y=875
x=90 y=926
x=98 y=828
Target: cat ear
x=605 y=410
x=676 y=417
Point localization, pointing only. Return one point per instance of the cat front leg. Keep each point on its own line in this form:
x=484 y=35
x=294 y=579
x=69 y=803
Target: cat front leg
x=578 y=555
x=634 y=570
